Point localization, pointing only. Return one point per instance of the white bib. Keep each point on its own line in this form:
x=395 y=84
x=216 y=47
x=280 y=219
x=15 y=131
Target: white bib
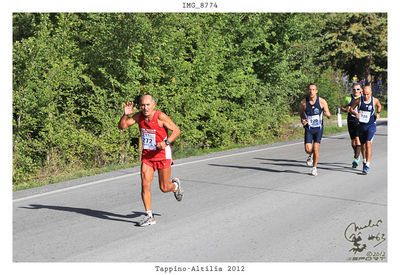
x=314 y=121
x=364 y=116
x=149 y=139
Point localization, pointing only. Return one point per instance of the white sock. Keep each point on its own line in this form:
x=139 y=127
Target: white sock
x=149 y=213
x=364 y=161
x=367 y=164
x=176 y=185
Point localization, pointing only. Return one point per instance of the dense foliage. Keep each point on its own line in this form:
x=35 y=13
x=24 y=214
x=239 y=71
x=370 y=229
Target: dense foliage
x=223 y=78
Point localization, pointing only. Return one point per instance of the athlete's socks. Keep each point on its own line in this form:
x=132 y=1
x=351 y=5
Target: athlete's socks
x=149 y=213
x=364 y=161
x=367 y=164
x=357 y=151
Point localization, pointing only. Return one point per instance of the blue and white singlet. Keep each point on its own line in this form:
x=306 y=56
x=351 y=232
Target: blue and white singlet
x=314 y=114
x=367 y=111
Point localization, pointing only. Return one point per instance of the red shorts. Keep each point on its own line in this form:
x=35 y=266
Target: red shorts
x=158 y=164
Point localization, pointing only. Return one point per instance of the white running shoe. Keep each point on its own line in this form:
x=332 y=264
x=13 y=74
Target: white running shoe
x=179 y=192
x=314 y=171
x=147 y=220
x=309 y=161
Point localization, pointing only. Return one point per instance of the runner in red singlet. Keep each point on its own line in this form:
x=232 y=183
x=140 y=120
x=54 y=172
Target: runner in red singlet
x=156 y=155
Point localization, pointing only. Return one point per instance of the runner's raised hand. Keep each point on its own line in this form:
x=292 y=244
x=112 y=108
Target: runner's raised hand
x=129 y=108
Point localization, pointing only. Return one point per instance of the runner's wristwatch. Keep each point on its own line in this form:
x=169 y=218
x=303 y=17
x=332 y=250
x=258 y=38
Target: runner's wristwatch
x=166 y=142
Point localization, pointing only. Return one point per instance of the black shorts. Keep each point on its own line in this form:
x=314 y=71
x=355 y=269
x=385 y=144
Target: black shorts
x=353 y=129
x=313 y=134
x=367 y=132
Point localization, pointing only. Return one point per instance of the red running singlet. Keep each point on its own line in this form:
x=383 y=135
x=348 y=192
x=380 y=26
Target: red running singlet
x=152 y=134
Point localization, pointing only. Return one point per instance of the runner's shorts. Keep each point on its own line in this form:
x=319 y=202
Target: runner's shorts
x=158 y=164
x=366 y=132
x=313 y=134
x=352 y=127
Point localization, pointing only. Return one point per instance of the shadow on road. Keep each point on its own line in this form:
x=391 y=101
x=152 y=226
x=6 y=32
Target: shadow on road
x=276 y=189
x=257 y=168
x=332 y=166
x=333 y=137
x=92 y=213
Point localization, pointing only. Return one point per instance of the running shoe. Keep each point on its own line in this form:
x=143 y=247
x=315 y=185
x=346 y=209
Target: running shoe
x=309 y=160
x=314 y=171
x=178 y=193
x=355 y=163
x=366 y=169
x=147 y=220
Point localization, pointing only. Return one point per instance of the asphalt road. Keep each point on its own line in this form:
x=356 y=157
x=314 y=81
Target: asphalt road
x=257 y=204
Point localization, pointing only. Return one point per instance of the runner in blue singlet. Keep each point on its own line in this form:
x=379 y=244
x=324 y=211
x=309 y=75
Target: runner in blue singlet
x=311 y=113
x=367 y=116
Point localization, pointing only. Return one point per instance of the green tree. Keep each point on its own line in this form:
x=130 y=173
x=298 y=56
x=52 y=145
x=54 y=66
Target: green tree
x=356 y=42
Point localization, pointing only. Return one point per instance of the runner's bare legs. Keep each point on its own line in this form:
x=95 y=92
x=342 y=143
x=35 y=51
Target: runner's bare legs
x=147 y=177
x=164 y=176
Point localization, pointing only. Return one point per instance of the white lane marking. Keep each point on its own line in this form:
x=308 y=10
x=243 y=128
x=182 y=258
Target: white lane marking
x=75 y=187
x=138 y=173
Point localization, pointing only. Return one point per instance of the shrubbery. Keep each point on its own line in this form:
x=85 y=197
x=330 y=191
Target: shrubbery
x=223 y=78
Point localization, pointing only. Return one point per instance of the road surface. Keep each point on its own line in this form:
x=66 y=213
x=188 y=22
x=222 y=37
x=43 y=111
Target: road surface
x=257 y=204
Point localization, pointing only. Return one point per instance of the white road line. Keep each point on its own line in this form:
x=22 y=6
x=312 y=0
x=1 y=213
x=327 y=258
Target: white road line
x=74 y=187
x=138 y=173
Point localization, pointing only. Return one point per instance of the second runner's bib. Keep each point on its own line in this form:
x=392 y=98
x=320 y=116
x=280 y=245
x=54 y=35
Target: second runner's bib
x=364 y=116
